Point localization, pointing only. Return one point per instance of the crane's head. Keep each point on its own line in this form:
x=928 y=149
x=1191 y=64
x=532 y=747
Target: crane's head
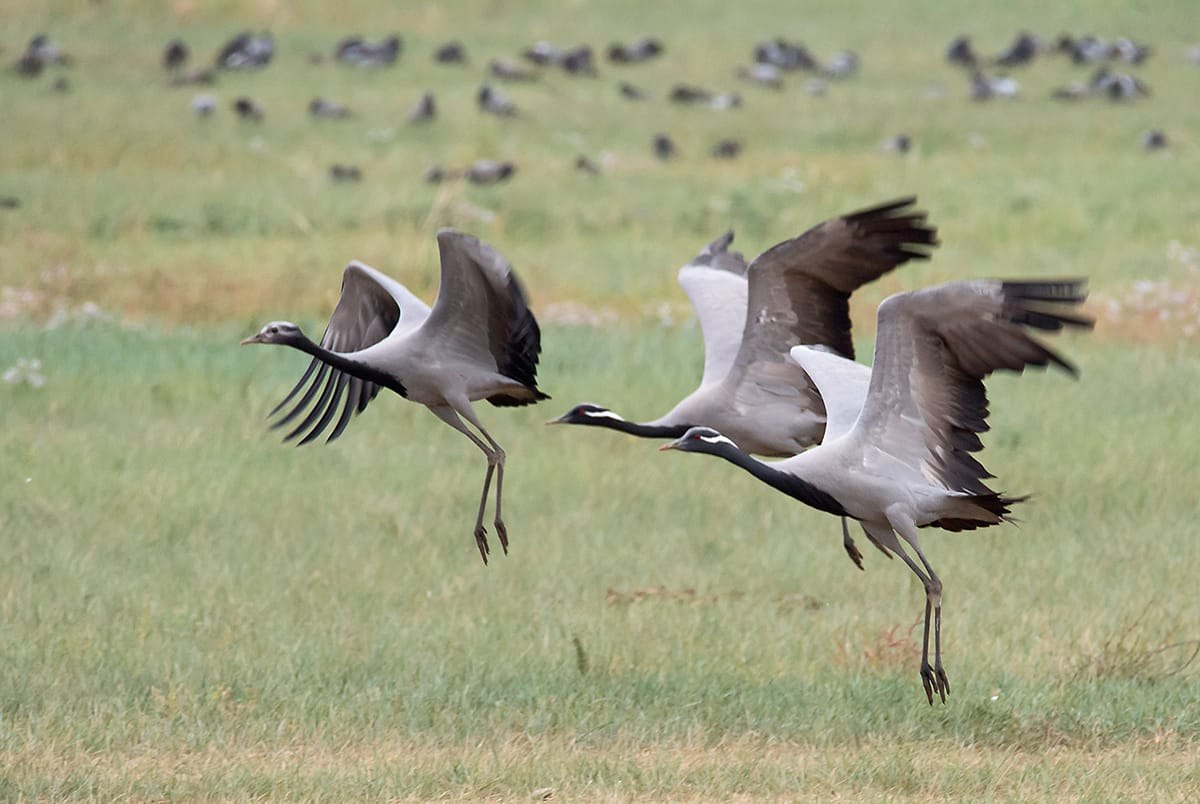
x=276 y=332
x=701 y=439
x=586 y=413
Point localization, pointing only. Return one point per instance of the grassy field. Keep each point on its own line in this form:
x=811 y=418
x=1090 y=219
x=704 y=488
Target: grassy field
x=190 y=610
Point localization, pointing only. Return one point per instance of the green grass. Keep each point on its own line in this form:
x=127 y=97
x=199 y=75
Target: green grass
x=189 y=609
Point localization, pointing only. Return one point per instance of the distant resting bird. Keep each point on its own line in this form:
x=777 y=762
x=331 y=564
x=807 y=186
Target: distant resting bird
x=424 y=110
x=494 y=102
x=451 y=53
x=796 y=292
x=248 y=109
x=663 y=146
x=175 y=55
x=479 y=341
x=901 y=459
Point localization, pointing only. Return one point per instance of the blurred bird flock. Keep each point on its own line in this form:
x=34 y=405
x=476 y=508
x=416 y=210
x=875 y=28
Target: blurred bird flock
x=193 y=610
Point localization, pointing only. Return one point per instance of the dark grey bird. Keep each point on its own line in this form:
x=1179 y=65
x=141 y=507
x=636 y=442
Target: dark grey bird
x=175 y=55
x=247 y=51
x=451 y=53
x=1118 y=86
x=345 y=174
x=494 y=102
x=960 y=52
x=489 y=171
x=423 y=110
x=40 y=53
x=900 y=457
x=578 y=61
x=1154 y=140
x=436 y=174
x=785 y=55
x=587 y=166
x=690 y=94
x=900 y=143
x=726 y=149
x=644 y=49
x=248 y=109
x=356 y=51
x=322 y=108
x=509 y=70
x=480 y=341
x=630 y=92
x=1022 y=51
x=663 y=146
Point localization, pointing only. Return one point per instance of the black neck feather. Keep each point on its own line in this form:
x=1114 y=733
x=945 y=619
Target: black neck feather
x=789 y=484
x=636 y=428
x=351 y=367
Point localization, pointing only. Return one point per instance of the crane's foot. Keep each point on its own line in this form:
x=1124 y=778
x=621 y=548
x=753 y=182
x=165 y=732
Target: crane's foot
x=481 y=542
x=852 y=550
x=934 y=681
x=502 y=532
x=851 y=547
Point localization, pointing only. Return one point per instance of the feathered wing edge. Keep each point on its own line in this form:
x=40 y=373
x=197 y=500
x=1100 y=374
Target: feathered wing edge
x=522 y=346
x=1000 y=343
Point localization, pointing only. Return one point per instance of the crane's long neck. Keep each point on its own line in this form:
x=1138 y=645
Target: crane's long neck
x=790 y=484
x=612 y=421
x=354 y=368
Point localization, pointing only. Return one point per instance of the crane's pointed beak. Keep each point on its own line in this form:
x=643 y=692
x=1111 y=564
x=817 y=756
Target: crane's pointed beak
x=559 y=420
x=666 y=447
x=252 y=339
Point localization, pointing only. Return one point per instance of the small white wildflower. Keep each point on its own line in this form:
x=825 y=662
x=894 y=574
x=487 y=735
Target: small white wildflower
x=27 y=371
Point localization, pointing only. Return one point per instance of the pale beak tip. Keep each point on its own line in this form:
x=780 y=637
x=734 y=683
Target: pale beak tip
x=666 y=447
x=251 y=339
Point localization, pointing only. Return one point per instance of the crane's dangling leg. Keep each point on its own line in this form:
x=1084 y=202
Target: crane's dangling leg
x=936 y=582
x=496 y=459
x=934 y=678
x=851 y=547
x=450 y=417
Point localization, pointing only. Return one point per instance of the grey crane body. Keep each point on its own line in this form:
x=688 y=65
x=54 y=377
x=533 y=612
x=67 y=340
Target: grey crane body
x=902 y=458
x=479 y=341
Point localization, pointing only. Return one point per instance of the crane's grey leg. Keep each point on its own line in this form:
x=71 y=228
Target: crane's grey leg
x=851 y=547
x=450 y=417
x=937 y=620
x=934 y=678
x=496 y=459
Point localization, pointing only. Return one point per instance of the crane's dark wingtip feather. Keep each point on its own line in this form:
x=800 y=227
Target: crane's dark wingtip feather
x=522 y=346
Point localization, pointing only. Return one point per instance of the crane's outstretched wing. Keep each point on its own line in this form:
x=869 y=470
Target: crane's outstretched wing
x=372 y=306
x=481 y=317
x=799 y=293
x=715 y=283
x=841 y=383
x=927 y=405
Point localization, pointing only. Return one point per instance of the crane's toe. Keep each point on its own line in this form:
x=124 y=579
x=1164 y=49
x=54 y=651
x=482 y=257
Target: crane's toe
x=855 y=554
x=481 y=542
x=934 y=681
x=502 y=532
